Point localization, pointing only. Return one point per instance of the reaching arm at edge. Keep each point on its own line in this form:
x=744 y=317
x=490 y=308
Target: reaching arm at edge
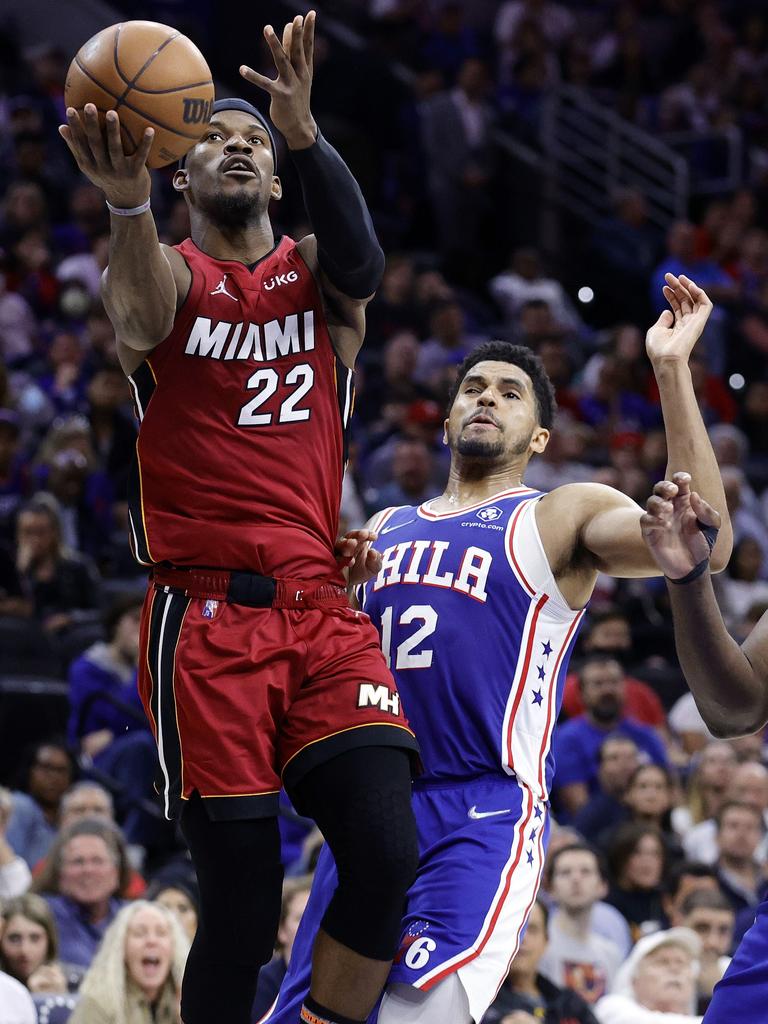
x=729 y=682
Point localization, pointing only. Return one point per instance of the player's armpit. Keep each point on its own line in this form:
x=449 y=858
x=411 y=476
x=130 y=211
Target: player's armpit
x=345 y=316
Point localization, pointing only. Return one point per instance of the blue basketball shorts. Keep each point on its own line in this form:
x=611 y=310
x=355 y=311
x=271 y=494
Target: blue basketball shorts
x=482 y=846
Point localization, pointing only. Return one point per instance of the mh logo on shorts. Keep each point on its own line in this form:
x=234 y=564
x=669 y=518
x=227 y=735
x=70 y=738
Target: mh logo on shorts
x=490 y=513
x=377 y=695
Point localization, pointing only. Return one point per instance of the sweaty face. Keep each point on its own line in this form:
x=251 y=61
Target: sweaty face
x=494 y=418
x=230 y=173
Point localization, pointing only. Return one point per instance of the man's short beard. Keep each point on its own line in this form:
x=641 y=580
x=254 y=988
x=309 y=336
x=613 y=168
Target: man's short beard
x=479 y=448
x=232 y=210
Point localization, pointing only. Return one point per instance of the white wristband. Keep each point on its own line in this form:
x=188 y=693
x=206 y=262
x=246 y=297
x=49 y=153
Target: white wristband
x=132 y=211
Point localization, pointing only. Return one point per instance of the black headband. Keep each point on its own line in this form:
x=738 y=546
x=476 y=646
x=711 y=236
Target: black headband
x=247 y=108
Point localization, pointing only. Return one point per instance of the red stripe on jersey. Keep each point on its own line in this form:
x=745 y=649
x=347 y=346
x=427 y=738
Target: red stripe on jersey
x=524 y=674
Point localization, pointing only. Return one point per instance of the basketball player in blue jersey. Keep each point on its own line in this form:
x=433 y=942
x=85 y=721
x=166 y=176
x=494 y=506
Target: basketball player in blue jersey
x=679 y=528
x=478 y=596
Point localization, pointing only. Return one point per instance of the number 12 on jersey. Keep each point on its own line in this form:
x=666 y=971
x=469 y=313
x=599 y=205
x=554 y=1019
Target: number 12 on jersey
x=405 y=657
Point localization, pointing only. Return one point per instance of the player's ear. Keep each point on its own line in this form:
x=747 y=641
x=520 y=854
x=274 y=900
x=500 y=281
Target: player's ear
x=181 y=179
x=445 y=431
x=539 y=440
x=276 y=192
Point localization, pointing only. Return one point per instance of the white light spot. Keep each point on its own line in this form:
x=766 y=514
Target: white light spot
x=736 y=381
x=585 y=294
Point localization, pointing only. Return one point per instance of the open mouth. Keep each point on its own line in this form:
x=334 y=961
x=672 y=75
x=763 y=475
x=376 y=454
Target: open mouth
x=484 y=421
x=150 y=961
x=238 y=165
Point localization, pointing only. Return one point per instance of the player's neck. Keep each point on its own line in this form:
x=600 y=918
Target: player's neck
x=468 y=484
x=244 y=245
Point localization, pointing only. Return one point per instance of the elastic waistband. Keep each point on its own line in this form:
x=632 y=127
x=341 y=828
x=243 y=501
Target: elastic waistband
x=248 y=588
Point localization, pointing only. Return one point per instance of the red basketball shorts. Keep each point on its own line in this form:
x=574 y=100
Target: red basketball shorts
x=242 y=700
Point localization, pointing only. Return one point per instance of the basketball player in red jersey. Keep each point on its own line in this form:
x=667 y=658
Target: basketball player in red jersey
x=254 y=671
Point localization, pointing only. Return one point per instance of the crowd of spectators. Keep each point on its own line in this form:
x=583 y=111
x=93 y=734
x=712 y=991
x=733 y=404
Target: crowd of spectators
x=96 y=890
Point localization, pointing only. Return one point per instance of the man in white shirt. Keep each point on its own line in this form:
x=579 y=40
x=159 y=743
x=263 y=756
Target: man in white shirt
x=577 y=956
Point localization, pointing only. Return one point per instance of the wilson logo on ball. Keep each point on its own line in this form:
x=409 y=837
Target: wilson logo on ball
x=196 y=111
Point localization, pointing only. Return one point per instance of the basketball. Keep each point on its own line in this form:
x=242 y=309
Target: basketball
x=151 y=75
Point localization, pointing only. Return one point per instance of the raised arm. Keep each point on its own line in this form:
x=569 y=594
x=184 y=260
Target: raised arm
x=729 y=683
x=143 y=280
x=343 y=250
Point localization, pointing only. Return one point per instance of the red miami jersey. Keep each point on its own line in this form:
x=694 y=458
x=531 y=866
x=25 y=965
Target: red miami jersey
x=243 y=414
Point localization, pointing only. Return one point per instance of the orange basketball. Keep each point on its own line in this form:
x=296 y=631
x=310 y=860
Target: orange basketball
x=151 y=75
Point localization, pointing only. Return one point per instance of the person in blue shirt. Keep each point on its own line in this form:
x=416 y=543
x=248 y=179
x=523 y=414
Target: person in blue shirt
x=107 y=722
x=577 y=743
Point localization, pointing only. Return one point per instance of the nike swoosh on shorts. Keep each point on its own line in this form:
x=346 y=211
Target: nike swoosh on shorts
x=475 y=814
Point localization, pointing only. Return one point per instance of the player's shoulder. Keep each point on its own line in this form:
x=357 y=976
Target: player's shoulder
x=587 y=497
x=390 y=515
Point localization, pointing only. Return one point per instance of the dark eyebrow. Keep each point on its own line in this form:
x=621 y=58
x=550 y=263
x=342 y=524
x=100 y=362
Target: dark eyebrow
x=478 y=378
x=248 y=128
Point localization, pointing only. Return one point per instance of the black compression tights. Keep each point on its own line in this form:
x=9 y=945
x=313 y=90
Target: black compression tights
x=240 y=875
x=361 y=801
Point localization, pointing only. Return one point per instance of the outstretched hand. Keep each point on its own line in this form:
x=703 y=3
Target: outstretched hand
x=289 y=107
x=671 y=526
x=678 y=328
x=355 y=553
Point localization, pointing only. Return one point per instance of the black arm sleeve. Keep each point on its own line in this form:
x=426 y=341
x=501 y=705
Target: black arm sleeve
x=347 y=248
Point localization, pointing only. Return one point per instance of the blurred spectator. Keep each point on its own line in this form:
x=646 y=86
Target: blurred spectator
x=680 y=259
x=648 y=799
x=688 y=725
x=577 y=957
x=448 y=345
x=14 y=872
x=740 y=827
x=295 y=897
x=711 y=917
x=747 y=784
x=684 y=879
x=46 y=772
x=625 y=247
x=412 y=475
x=107 y=720
x=456 y=136
x=87 y=868
x=708 y=785
x=637 y=861
x=658 y=976
x=63 y=584
x=113 y=433
x=577 y=742
x=29 y=946
x=741 y=586
x=14 y=473
x=136 y=975
x=526 y=994
x=619 y=758
x=175 y=887
x=64 y=384
x=525 y=280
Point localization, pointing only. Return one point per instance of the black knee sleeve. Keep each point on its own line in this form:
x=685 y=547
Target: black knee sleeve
x=361 y=801
x=240 y=876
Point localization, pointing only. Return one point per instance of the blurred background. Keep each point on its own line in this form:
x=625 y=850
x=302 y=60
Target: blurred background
x=533 y=169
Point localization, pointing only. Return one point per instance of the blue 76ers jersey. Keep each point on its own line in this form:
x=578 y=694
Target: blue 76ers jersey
x=477 y=635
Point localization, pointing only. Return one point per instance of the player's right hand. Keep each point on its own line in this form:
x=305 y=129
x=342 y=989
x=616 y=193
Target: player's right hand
x=356 y=555
x=123 y=178
x=670 y=526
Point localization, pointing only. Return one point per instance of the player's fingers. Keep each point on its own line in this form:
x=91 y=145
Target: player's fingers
x=649 y=522
x=279 y=55
x=141 y=154
x=666 y=319
x=672 y=297
x=658 y=506
x=309 y=39
x=76 y=138
x=665 y=489
x=682 y=293
x=114 y=141
x=704 y=511
x=268 y=84
x=373 y=561
x=683 y=482
x=295 y=48
x=94 y=134
x=698 y=294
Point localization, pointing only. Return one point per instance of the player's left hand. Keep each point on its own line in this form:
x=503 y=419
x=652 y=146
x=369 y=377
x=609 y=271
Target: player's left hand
x=355 y=553
x=289 y=107
x=672 y=337
x=671 y=529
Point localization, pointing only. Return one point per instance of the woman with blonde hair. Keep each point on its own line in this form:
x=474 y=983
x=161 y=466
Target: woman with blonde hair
x=135 y=977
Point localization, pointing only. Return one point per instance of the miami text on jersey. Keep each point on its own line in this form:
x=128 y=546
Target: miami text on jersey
x=262 y=343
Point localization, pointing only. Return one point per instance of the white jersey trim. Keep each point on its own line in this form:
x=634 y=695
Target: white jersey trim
x=426 y=513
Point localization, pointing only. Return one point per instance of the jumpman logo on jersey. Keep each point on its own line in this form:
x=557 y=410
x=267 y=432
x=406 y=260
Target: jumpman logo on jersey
x=221 y=289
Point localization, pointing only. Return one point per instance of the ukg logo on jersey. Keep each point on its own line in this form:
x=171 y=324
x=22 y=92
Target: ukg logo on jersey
x=278 y=279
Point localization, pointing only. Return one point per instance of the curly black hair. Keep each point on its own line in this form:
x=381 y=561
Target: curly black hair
x=527 y=360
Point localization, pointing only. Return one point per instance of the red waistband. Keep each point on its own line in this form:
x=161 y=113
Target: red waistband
x=226 y=585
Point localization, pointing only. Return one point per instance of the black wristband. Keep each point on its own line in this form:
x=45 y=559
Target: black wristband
x=710 y=536
x=694 y=574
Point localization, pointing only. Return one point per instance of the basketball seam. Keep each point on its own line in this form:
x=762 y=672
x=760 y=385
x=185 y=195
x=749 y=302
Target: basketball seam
x=132 y=82
x=129 y=106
